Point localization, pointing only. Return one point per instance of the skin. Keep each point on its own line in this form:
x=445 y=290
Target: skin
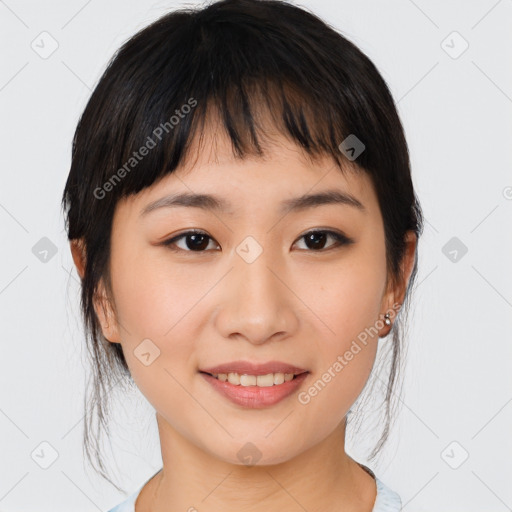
x=295 y=304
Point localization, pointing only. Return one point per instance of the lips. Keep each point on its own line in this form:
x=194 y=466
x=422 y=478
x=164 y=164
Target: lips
x=249 y=368
x=256 y=397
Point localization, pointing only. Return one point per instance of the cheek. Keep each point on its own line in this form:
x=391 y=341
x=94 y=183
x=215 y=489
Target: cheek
x=347 y=296
x=156 y=302
x=154 y=297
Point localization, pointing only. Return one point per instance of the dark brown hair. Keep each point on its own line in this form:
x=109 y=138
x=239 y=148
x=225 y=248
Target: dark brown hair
x=236 y=59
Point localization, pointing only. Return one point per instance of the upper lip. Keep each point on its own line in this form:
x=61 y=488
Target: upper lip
x=248 y=368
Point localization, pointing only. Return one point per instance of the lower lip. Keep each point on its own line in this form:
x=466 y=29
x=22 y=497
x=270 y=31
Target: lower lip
x=253 y=396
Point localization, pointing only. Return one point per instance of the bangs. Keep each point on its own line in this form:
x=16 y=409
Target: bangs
x=234 y=69
x=165 y=85
x=255 y=114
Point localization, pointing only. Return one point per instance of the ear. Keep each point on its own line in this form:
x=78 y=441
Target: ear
x=106 y=315
x=78 y=252
x=102 y=304
x=396 y=294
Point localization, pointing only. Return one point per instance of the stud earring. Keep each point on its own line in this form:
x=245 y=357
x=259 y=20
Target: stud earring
x=387 y=320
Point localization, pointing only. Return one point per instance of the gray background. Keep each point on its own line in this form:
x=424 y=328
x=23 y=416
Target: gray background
x=456 y=111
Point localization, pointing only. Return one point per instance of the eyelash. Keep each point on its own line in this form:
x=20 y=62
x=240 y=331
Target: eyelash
x=340 y=239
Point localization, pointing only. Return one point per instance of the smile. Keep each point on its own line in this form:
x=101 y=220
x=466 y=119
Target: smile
x=255 y=391
x=262 y=381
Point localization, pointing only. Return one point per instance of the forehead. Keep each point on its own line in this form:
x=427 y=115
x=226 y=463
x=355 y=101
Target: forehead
x=284 y=172
x=211 y=160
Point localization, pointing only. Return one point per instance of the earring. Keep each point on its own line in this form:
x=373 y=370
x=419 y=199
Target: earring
x=387 y=320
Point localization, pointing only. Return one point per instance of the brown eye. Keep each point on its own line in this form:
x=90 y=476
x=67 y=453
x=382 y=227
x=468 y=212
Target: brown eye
x=194 y=241
x=198 y=241
x=316 y=240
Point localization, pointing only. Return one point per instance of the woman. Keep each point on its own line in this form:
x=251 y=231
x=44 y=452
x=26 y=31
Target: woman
x=241 y=213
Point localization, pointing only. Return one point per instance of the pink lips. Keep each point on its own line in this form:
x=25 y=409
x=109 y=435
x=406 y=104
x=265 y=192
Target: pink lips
x=254 y=396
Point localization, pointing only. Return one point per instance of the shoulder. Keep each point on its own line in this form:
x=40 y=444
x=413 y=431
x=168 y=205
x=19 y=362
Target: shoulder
x=127 y=505
x=387 y=500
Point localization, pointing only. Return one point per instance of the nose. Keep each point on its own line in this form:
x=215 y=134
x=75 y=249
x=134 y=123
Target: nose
x=256 y=303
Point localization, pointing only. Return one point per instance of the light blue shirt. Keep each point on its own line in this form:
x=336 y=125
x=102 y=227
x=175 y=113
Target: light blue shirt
x=386 y=500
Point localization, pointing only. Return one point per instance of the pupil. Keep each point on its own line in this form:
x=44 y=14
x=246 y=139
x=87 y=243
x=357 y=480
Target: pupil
x=195 y=238
x=316 y=244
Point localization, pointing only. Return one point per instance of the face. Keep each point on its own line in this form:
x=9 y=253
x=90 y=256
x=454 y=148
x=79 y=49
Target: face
x=257 y=284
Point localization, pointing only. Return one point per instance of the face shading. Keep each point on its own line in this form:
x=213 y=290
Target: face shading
x=275 y=259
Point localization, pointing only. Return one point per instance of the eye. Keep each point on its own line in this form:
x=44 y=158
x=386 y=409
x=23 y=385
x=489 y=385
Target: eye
x=194 y=241
x=316 y=239
x=198 y=241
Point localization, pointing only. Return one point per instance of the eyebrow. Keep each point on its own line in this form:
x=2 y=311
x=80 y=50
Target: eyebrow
x=215 y=203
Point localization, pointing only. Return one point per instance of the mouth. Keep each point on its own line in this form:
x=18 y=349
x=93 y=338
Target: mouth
x=249 y=390
x=262 y=381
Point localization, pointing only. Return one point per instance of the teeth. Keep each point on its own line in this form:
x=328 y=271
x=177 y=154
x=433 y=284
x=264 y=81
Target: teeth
x=263 y=381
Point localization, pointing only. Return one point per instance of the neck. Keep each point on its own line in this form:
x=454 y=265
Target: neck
x=323 y=477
